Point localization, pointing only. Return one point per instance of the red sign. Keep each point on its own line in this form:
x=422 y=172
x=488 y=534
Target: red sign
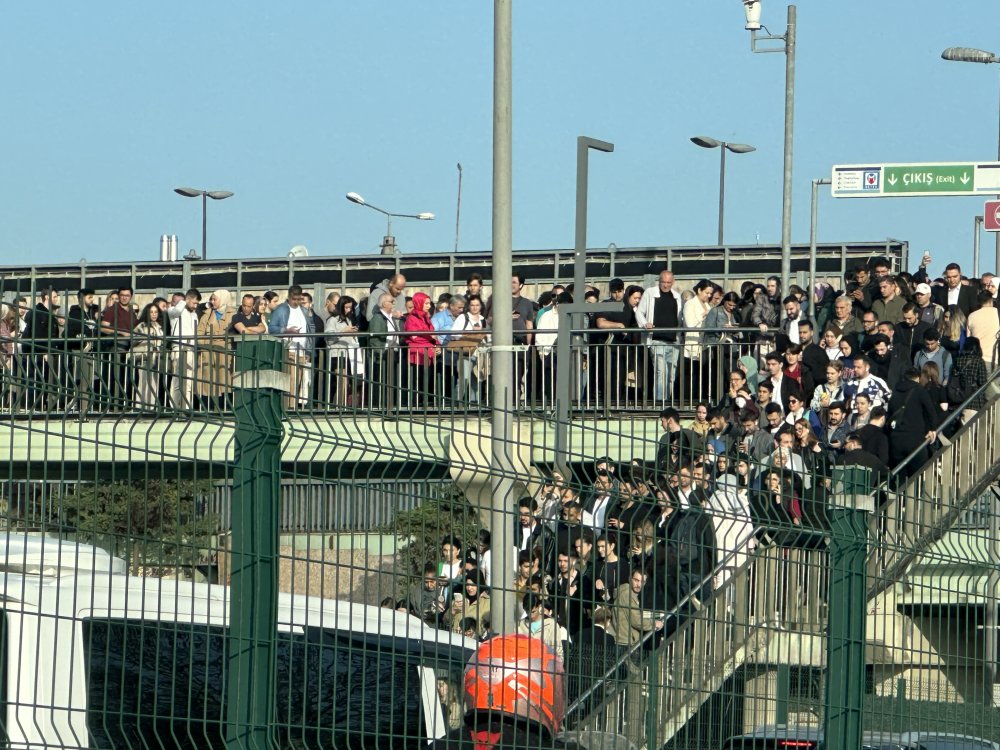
x=991 y=216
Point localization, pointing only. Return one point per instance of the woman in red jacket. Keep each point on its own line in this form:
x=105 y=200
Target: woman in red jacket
x=422 y=347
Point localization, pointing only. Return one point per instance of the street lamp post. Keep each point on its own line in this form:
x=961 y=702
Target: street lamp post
x=813 y=215
x=215 y=195
x=388 y=242
x=737 y=148
x=973 y=55
x=753 y=25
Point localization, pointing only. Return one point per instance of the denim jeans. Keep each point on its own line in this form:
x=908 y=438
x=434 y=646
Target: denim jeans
x=665 y=356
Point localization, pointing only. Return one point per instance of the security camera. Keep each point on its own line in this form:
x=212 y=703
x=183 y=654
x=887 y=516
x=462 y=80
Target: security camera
x=752 y=10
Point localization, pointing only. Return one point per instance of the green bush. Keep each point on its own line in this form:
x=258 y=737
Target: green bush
x=445 y=512
x=154 y=524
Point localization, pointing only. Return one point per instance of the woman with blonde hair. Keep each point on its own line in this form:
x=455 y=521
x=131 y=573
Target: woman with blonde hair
x=215 y=375
x=952 y=327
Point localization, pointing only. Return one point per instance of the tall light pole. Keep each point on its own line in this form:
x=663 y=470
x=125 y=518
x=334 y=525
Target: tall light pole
x=737 y=148
x=753 y=25
x=973 y=55
x=388 y=242
x=503 y=389
x=813 y=214
x=215 y=195
x=458 y=205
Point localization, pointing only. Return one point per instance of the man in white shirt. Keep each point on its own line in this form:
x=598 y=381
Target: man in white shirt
x=290 y=321
x=183 y=352
x=661 y=307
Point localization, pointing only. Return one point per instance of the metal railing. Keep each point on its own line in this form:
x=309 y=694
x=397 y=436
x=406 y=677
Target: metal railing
x=399 y=371
x=728 y=631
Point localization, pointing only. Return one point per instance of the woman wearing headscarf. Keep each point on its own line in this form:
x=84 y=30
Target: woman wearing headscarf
x=215 y=376
x=421 y=347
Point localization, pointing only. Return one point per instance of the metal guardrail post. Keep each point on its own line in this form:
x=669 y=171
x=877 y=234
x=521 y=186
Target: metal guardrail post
x=845 y=649
x=260 y=384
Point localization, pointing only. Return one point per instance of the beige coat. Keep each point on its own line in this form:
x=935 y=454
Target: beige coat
x=215 y=361
x=628 y=621
x=478 y=610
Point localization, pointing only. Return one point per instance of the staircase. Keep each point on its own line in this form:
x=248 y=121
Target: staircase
x=770 y=609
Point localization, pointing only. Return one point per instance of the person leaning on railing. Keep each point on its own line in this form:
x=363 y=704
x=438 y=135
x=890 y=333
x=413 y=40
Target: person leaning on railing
x=42 y=345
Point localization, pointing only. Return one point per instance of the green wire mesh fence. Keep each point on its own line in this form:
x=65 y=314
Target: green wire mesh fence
x=216 y=540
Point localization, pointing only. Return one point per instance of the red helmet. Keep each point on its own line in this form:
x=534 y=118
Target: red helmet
x=517 y=675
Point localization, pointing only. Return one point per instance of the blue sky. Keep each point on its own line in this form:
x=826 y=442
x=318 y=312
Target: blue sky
x=111 y=105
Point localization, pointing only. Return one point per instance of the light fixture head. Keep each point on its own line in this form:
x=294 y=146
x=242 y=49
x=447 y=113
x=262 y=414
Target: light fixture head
x=188 y=192
x=752 y=10
x=355 y=198
x=426 y=216
x=705 y=142
x=740 y=148
x=969 y=54
x=219 y=195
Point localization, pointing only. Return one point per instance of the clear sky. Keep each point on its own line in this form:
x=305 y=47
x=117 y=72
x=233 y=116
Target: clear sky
x=111 y=105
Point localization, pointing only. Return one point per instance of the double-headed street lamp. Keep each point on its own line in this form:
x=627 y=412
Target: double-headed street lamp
x=388 y=242
x=215 y=195
x=973 y=55
x=752 y=8
x=737 y=148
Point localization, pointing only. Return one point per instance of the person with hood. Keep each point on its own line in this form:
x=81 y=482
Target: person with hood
x=215 y=375
x=393 y=286
x=913 y=418
x=421 y=348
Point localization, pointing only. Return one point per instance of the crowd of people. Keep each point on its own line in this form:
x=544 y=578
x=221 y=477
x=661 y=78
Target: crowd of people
x=662 y=347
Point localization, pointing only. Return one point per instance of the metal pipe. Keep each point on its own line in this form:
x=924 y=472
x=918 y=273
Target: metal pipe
x=583 y=146
x=786 y=188
x=813 y=215
x=503 y=385
x=722 y=190
x=204 y=225
x=458 y=205
x=977 y=226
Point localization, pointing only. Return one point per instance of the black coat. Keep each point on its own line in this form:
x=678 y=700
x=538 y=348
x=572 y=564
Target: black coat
x=912 y=415
x=966 y=298
x=815 y=360
x=874 y=441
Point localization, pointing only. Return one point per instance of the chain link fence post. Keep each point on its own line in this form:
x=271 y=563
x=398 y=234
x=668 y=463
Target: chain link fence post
x=845 y=648
x=260 y=384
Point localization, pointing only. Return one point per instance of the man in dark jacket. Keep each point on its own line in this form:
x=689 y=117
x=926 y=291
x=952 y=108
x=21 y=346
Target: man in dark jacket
x=855 y=455
x=872 y=435
x=913 y=419
x=814 y=358
x=954 y=292
x=43 y=343
x=908 y=337
x=82 y=328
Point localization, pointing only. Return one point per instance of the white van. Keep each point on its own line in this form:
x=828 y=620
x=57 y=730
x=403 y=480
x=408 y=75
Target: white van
x=95 y=658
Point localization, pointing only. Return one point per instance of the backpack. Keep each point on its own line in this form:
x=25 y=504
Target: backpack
x=958 y=391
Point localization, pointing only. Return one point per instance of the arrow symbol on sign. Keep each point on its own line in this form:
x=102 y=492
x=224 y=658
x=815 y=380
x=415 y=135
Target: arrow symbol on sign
x=965 y=178
x=892 y=179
